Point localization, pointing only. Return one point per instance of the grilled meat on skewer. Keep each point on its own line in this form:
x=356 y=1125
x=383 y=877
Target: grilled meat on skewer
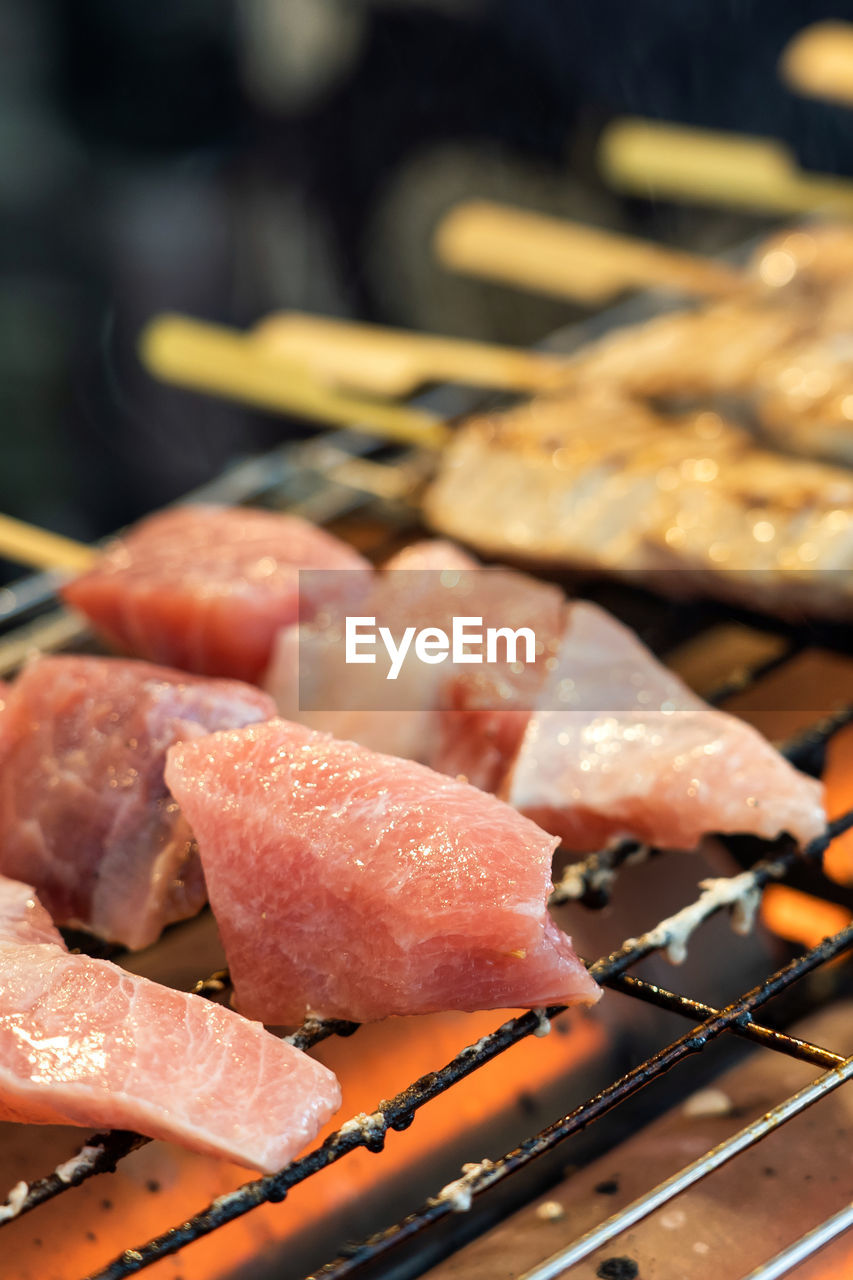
x=592 y=480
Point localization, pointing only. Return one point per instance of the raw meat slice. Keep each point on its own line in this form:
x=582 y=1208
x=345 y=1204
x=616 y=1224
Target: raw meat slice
x=602 y=757
x=83 y=1042
x=590 y=479
x=206 y=588
x=313 y=684
x=635 y=753
x=357 y=885
x=397 y=730
x=485 y=709
x=85 y=814
x=431 y=553
x=442 y=713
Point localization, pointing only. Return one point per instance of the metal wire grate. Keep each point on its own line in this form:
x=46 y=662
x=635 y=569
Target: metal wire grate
x=588 y=882
x=398 y=1112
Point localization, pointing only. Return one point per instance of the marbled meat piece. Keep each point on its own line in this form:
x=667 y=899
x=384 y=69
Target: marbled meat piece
x=85 y=814
x=358 y=885
x=312 y=685
x=621 y=747
x=83 y=1042
x=207 y=588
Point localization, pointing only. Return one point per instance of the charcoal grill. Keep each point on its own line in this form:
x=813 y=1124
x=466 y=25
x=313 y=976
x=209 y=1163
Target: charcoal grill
x=337 y=479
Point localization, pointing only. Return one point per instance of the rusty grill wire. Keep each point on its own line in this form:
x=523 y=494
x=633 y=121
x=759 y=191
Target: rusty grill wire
x=588 y=882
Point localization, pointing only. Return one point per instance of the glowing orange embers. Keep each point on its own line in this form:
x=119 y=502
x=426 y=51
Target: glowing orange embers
x=160 y=1185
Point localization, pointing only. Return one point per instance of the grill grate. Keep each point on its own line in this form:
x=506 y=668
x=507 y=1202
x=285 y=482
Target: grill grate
x=398 y=1112
x=718 y=1021
x=694 y=1172
x=588 y=882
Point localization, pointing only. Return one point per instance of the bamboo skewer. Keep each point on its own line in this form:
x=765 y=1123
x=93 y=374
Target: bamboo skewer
x=36 y=548
x=567 y=259
x=818 y=62
x=673 y=161
x=217 y=360
x=374 y=360
x=39 y=549
x=220 y=361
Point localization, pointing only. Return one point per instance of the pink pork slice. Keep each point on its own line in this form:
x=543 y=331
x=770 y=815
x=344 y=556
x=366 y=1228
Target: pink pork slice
x=486 y=707
x=483 y=711
x=431 y=554
x=206 y=588
x=460 y=719
x=83 y=1042
x=398 y=718
x=85 y=813
x=636 y=753
x=357 y=885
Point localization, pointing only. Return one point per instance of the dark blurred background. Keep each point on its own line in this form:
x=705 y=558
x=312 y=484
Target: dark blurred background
x=229 y=157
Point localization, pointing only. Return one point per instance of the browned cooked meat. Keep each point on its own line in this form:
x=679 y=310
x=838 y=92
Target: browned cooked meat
x=592 y=479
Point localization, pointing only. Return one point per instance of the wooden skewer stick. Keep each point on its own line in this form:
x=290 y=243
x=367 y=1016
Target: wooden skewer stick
x=221 y=361
x=39 y=549
x=567 y=259
x=374 y=360
x=193 y=354
x=818 y=62
x=673 y=161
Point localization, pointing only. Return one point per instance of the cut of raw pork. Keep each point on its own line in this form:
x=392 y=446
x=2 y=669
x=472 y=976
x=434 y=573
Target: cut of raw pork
x=431 y=554
x=358 y=885
x=85 y=814
x=445 y=711
x=621 y=747
x=313 y=683
x=207 y=588
x=485 y=708
x=359 y=703
x=83 y=1042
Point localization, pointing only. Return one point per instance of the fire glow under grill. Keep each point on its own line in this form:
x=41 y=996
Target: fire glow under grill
x=589 y=883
